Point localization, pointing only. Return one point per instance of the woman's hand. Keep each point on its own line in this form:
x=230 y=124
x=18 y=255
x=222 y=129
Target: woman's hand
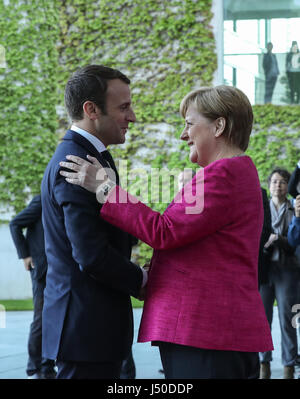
x=89 y=175
x=272 y=238
x=297 y=206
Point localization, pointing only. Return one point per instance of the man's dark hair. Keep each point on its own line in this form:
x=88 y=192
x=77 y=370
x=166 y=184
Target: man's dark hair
x=89 y=84
x=282 y=172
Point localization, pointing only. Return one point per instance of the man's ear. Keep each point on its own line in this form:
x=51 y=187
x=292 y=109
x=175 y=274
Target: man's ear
x=91 y=110
x=220 y=126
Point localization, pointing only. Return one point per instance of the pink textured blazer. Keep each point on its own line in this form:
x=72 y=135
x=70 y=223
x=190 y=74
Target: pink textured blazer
x=202 y=287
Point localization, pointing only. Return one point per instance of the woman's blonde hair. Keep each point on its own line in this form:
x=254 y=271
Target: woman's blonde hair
x=227 y=102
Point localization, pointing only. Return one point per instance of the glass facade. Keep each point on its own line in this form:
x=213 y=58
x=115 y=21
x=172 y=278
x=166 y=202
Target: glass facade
x=261 y=53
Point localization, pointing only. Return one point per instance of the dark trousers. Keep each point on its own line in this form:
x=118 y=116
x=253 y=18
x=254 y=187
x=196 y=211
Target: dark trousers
x=269 y=88
x=180 y=361
x=128 y=368
x=283 y=286
x=88 y=370
x=294 y=84
x=37 y=364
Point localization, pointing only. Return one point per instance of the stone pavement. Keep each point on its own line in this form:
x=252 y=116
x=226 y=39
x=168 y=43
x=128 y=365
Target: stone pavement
x=13 y=348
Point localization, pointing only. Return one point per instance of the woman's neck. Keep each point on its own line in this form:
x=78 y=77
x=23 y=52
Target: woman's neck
x=278 y=201
x=229 y=152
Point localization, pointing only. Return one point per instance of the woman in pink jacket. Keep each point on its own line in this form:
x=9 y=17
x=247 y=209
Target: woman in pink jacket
x=202 y=305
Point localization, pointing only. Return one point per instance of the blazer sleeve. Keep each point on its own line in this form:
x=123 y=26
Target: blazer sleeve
x=294 y=232
x=191 y=216
x=90 y=240
x=29 y=216
x=293 y=182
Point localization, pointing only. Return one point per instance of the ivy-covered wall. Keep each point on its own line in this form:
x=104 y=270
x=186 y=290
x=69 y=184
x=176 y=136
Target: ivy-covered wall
x=275 y=140
x=166 y=47
x=28 y=96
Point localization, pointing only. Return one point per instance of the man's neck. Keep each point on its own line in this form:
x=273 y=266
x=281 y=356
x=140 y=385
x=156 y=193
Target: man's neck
x=85 y=126
x=92 y=138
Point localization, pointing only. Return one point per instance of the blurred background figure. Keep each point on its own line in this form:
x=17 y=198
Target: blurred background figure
x=283 y=276
x=292 y=64
x=31 y=248
x=271 y=70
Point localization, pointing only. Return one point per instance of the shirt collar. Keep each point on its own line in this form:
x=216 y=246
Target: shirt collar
x=97 y=143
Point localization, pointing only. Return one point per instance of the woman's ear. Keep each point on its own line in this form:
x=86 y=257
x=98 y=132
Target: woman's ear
x=220 y=126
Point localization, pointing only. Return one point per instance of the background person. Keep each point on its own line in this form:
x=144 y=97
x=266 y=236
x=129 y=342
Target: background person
x=283 y=280
x=31 y=248
x=202 y=305
x=271 y=70
x=292 y=63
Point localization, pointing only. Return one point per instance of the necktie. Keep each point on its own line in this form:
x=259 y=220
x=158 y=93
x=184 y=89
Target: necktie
x=107 y=156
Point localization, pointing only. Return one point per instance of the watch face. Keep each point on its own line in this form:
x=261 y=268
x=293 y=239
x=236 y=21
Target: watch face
x=105 y=189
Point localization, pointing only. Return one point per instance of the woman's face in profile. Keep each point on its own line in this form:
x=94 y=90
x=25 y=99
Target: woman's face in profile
x=199 y=132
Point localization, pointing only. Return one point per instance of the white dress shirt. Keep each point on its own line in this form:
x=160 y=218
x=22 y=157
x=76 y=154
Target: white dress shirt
x=97 y=143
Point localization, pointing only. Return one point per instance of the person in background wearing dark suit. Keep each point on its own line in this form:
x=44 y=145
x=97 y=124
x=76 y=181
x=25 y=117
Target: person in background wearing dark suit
x=263 y=262
x=270 y=67
x=87 y=316
x=31 y=248
x=283 y=275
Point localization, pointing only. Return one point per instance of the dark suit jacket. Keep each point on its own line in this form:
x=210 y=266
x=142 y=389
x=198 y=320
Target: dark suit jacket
x=87 y=312
x=294 y=180
x=263 y=259
x=269 y=60
x=32 y=243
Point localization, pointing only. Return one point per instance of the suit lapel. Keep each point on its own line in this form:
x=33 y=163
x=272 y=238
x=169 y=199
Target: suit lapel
x=105 y=159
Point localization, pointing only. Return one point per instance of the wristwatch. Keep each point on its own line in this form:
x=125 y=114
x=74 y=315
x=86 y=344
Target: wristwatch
x=104 y=189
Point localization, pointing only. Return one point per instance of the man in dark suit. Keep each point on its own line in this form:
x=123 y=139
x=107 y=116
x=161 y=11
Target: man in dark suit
x=31 y=248
x=271 y=70
x=87 y=316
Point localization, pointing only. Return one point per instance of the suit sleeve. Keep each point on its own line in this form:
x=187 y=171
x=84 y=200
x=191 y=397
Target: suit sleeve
x=90 y=238
x=184 y=221
x=29 y=216
x=267 y=226
x=294 y=232
x=294 y=180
